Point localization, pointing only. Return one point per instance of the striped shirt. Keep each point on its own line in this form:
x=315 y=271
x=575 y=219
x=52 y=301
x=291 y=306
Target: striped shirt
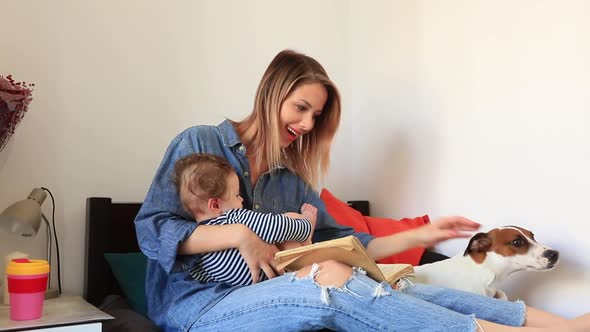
x=228 y=265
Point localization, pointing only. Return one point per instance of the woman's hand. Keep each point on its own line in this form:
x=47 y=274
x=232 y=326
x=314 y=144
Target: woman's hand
x=258 y=255
x=425 y=236
x=444 y=229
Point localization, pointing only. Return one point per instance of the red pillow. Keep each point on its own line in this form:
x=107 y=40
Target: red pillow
x=342 y=213
x=385 y=226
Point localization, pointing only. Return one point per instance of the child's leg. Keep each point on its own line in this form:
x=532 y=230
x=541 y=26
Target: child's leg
x=310 y=213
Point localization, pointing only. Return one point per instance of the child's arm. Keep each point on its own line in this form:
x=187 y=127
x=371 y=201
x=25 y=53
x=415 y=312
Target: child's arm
x=273 y=228
x=310 y=213
x=292 y=244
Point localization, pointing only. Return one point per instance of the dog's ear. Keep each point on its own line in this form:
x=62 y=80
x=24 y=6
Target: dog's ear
x=480 y=242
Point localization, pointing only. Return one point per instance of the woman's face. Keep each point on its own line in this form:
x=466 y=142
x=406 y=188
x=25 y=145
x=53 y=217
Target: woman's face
x=299 y=111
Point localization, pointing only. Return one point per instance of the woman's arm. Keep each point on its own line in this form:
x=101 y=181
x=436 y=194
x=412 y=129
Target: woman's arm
x=425 y=236
x=206 y=238
x=256 y=253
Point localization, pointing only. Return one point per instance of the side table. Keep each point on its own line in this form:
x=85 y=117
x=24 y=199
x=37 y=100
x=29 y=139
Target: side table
x=62 y=314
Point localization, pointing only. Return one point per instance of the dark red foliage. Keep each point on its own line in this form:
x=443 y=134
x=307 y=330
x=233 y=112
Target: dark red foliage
x=15 y=98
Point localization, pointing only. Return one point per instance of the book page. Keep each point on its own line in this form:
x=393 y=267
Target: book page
x=393 y=272
x=347 y=250
x=350 y=258
x=345 y=243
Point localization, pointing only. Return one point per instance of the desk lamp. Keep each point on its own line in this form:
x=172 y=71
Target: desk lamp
x=24 y=218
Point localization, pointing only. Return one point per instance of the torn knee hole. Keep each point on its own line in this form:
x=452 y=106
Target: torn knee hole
x=328 y=273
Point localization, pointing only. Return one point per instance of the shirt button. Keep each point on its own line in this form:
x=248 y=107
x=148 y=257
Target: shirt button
x=246 y=173
x=242 y=148
x=256 y=206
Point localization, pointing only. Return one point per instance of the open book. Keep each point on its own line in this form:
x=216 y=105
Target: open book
x=347 y=250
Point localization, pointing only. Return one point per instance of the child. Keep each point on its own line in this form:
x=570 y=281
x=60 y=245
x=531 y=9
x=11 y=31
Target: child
x=210 y=191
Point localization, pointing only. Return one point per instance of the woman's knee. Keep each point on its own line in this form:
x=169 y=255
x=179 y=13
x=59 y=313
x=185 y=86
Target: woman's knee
x=327 y=273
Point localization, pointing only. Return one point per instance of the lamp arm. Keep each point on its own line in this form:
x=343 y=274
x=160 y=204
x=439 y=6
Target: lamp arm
x=46 y=221
x=55 y=236
x=49 y=242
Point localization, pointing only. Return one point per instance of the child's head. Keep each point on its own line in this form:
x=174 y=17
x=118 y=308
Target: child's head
x=207 y=185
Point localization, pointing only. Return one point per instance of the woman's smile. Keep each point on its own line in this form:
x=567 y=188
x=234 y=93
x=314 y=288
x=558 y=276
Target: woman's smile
x=300 y=110
x=293 y=134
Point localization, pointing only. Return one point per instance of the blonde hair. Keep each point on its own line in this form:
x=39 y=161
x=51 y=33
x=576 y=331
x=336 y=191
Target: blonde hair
x=202 y=175
x=309 y=156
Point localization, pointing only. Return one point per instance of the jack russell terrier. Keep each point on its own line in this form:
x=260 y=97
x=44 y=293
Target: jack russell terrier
x=488 y=260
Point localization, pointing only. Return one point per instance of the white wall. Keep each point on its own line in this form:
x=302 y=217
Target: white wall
x=480 y=108
x=468 y=107
x=117 y=80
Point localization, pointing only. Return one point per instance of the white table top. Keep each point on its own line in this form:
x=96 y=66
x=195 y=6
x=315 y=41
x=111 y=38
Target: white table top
x=64 y=310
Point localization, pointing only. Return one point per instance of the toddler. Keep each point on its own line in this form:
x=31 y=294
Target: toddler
x=209 y=190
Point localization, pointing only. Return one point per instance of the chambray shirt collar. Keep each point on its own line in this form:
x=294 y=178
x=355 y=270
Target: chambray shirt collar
x=229 y=134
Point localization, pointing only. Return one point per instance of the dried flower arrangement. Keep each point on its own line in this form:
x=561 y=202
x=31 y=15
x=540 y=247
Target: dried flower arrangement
x=14 y=103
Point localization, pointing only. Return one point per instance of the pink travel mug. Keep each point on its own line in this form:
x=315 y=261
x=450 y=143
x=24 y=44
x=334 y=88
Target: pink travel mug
x=27 y=283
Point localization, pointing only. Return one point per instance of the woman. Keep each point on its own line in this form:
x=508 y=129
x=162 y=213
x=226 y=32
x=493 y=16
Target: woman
x=279 y=152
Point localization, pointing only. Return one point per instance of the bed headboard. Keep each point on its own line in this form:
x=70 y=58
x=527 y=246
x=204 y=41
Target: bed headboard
x=110 y=228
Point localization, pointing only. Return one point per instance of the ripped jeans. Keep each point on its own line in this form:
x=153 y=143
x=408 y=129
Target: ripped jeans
x=290 y=303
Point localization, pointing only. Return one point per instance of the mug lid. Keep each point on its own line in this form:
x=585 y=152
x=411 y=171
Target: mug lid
x=24 y=266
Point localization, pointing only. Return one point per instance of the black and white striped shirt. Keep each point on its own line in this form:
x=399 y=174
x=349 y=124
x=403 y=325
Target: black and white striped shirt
x=228 y=265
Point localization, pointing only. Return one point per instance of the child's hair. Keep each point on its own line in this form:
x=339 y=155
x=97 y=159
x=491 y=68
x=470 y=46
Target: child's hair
x=201 y=176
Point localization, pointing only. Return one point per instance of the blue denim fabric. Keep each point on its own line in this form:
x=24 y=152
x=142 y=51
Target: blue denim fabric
x=175 y=299
x=289 y=303
x=176 y=302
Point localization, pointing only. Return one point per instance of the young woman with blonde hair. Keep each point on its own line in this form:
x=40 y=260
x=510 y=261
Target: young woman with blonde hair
x=279 y=153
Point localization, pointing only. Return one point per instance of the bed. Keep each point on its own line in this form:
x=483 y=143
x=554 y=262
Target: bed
x=110 y=230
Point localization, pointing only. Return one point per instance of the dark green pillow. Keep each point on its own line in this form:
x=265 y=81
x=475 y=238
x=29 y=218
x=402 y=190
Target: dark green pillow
x=130 y=270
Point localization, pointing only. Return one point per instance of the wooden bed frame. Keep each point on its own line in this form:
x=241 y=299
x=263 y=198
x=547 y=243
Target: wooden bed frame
x=109 y=228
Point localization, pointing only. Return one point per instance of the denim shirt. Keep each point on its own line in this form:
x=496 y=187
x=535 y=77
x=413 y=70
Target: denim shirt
x=174 y=299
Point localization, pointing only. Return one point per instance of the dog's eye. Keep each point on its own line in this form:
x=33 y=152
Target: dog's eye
x=518 y=242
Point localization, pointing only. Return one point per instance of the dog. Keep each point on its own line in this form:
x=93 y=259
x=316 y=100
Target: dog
x=488 y=260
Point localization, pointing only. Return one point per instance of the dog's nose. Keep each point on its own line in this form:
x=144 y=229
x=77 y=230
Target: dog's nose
x=551 y=255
